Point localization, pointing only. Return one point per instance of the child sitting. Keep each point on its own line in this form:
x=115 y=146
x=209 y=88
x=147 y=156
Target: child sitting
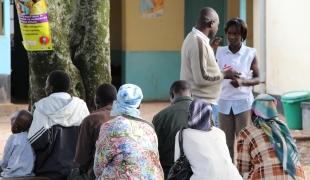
x=18 y=157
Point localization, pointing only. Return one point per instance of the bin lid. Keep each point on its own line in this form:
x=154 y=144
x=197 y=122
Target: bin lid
x=296 y=95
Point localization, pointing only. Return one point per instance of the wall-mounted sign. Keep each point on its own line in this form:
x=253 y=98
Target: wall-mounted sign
x=33 y=21
x=152 y=8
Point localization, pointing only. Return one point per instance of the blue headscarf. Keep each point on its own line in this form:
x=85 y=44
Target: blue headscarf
x=128 y=99
x=266 y=118
x=200 y=114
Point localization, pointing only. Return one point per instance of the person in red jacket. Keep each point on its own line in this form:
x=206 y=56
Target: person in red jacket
x=90 y=128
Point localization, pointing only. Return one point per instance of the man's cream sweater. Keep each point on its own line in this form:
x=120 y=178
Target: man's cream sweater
x=199 y=67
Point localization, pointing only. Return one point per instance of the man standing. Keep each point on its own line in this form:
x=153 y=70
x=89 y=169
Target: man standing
x=198 y=65
x=90 y=128
x=170 y=120
x=54 y=130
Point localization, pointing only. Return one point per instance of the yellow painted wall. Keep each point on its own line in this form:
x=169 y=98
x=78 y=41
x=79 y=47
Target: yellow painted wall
x=232 y=9
x=249 y=21
x=287 y=45
x=165 y=33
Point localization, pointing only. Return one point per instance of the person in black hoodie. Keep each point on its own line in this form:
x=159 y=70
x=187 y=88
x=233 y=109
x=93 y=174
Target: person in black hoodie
x=54 y=130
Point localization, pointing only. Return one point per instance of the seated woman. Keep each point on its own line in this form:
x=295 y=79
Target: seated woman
x=127 y=146
x=266 y=149
x=205 y=145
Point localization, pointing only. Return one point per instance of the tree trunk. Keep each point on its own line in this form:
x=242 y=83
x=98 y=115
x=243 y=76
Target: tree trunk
x=90 y=44
x=80 y=36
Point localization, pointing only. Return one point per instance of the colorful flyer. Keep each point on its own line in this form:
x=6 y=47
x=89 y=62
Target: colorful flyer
x=151 y=9
x=33 y=21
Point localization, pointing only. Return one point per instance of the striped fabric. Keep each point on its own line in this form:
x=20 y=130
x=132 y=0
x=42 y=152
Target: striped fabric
x=257 y=159
x=265 y=110
x=200 y=114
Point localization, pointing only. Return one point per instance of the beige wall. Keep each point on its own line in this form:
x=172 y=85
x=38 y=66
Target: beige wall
x=165 y=33
x=259 y=41
x=287 y=46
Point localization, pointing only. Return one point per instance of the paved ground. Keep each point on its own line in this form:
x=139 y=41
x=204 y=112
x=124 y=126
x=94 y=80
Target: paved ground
x=148 y=110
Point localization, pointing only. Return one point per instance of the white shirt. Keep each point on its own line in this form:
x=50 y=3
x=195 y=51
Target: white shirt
x=208 y=154
x=57 y=108
x=238 y=99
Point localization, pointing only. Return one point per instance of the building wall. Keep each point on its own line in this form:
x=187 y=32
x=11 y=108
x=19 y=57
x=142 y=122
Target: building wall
x=233 y=10
x=259 y=41
x=249 y=21
x=287 y=46
x=164 y=33
x=151 y=47
x=5 y=40
x=5 y=56
x=192 y=9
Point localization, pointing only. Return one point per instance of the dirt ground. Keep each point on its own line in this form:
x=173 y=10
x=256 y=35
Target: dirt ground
x=148 y=110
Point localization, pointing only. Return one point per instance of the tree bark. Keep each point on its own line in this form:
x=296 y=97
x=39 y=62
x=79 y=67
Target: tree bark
x=81 y=47
x=90 y=44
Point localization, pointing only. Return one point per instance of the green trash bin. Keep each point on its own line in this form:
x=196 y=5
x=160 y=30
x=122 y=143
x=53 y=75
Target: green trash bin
x=292 y=107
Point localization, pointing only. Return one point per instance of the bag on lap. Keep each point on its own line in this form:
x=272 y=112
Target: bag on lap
x=181 y=169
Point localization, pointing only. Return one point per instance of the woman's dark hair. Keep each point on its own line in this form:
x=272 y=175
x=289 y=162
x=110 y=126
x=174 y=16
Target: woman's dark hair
x=59 y=80
x=240 y=25
x=105 y=94
x=21 y=122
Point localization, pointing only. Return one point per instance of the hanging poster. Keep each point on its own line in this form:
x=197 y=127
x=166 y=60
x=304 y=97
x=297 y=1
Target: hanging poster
x=34 y=26
x=152 y=8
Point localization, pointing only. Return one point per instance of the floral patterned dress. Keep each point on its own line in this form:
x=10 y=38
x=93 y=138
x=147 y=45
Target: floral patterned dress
x=127 y=149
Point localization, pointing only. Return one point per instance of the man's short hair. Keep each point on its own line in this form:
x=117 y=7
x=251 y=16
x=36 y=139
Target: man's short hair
x=105 y=94
x=240 y=25
x=179 y=86
x=59 y=80
x=206 y=15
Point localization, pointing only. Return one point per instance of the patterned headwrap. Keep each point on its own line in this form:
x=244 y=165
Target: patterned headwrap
x=128 y=99
x=264 y=108
x=199 y=117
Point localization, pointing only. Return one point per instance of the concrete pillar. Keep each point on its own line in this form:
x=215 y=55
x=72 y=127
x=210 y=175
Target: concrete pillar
x=259 y=40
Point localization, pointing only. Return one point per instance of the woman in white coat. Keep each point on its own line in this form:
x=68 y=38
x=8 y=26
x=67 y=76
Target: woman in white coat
x=205 y=146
